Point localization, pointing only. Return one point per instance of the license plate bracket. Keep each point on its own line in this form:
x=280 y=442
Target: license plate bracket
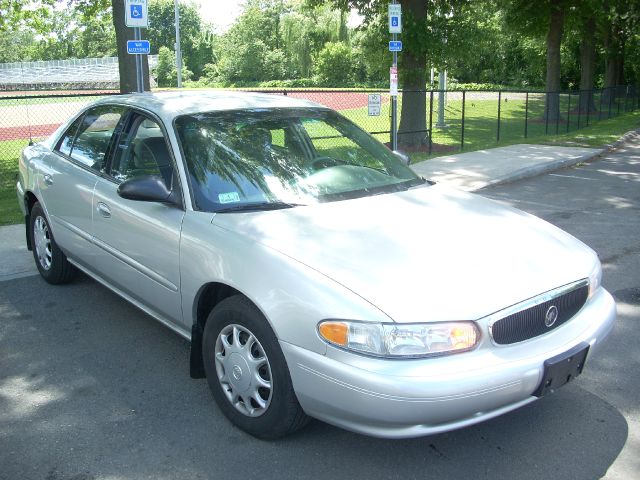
x=561 y=369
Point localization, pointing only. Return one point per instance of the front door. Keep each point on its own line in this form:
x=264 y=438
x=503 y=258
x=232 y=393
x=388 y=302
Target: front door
x=140 y=241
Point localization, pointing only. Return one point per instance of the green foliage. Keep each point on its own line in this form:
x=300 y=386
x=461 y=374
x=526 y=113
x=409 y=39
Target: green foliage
x=166 y=72
x=334 y=64
x=308 y=42
x=195 y=38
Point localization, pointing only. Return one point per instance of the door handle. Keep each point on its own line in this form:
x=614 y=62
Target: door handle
x=103 y=209
x=48 y=179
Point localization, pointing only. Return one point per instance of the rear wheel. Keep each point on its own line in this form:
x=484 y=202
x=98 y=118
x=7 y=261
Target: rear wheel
x=52 y=263
x=247 y=372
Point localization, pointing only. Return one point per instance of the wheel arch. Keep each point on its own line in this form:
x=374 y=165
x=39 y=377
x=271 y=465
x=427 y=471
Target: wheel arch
x=209 y=295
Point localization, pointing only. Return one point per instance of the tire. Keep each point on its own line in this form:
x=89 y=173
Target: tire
x=251 y=386
x=52 y=263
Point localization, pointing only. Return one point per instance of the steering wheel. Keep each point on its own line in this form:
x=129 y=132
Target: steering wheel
x=319 y=163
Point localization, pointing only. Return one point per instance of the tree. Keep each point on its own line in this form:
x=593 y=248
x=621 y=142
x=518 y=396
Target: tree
x=543 y=17
x=193 y=34
x=620 y=22
x=587 y=63
x=14 y=13
x=166 y=72
x=554 y=39
x=333 y=64
x=126 y=62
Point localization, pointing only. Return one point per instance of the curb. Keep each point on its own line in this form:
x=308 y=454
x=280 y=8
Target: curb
x=537 y=170
x=627 y=136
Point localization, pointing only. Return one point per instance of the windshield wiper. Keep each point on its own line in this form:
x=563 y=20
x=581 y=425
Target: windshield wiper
x=258 y=206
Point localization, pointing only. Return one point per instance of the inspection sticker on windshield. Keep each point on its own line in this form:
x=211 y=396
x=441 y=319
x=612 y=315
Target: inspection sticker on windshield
x=229 y=197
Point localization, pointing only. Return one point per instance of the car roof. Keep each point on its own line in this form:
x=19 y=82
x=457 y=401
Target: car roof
x=169 y=104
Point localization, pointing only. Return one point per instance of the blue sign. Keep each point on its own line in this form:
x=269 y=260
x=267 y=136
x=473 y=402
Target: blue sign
x=395 y=46
x=394 y=21
x=136 y=11
x=138 y=47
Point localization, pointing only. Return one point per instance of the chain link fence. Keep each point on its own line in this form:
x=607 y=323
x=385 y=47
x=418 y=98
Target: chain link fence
x=470 y=120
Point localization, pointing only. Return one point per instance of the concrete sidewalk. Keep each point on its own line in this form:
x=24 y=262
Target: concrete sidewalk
x=476 y=170
x=468 y=171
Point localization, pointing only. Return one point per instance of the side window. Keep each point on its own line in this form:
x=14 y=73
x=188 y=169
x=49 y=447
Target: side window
x=144 y=152
x=94 y=135
x=65 y=144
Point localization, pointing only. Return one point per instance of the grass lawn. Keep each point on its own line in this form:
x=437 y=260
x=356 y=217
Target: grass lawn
x=9 y=153
x=480 y=132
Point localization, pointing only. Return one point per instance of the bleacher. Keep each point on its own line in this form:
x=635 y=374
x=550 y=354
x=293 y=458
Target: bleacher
x=74 y=74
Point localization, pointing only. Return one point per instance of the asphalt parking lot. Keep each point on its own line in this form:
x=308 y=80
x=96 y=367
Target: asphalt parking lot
x=91 y=388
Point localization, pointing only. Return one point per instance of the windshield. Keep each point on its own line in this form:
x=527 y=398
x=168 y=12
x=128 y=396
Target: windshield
x=239 y=160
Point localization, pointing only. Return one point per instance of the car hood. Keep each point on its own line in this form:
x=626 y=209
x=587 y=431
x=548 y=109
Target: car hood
x=426 y=254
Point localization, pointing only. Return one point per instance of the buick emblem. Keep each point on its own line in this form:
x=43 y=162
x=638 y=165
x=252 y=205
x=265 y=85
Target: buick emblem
x=551 y=316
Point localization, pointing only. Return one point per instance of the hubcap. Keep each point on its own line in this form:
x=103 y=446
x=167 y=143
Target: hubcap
x=243 y=370
x=42 y=240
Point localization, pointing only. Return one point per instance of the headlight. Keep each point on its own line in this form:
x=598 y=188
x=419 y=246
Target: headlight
x=595 y=279
x=394 y=340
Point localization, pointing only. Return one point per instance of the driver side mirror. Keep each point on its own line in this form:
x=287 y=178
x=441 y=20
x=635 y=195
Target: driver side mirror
x=404 y=158
x=146 y=188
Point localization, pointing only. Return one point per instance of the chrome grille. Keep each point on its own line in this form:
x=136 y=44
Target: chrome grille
x=530 y=322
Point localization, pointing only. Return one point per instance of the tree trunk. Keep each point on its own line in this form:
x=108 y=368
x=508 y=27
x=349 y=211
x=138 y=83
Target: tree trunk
x=613 y=65
x=587 y=66
x=554 y=38
x=126 y=62
x=413 y=117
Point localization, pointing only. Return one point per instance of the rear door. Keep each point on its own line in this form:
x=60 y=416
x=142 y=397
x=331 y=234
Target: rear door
x=69 y=174
x=139 y=241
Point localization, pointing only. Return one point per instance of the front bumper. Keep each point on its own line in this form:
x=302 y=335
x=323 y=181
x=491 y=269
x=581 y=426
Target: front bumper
x=411 y=398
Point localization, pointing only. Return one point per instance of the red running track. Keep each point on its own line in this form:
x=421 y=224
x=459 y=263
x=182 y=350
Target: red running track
x=24 y=132
x=334 y=100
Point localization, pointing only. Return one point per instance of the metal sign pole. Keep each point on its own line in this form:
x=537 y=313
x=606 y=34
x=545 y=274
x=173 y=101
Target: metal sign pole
x=394 y=103
x=178 y=49
x=137 y=35
x=395 y=26
x=136 y=16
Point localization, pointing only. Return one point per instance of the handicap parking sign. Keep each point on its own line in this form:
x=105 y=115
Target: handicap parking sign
x=136 y=13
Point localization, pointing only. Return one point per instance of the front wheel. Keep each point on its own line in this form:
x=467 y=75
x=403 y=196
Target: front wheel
x=247 y=372
x=52 y=263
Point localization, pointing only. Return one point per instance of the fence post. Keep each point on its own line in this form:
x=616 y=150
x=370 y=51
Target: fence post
x=558 y=116
x=546 y=114
x=580 y=104
x=462 y=132
x=526 y=114
x=430 y=122
x=600 y=109
x=499 y=105
x=610 y=101
x=626 y=99
x=569 y=111
x=618 y=103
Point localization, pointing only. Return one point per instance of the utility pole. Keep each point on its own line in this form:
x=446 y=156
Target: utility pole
x=178 y=49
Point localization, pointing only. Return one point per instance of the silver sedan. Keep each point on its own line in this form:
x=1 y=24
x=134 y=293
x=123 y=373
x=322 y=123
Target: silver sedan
x=315 y=274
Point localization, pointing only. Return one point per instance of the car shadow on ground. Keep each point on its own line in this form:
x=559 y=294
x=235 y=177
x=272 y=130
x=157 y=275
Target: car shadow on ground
x=92 y=388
